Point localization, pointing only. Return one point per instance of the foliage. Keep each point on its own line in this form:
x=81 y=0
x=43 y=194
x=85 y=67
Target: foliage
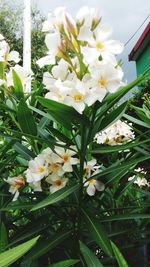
x=96 y=211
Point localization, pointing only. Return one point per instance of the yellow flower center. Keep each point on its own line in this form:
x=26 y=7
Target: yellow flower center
x=102 y=83
x=40 y=169
x=78 y=98
x=53 y=167
x=57 y=183
x=91 y=182
x=66 y=157
x=99 y=45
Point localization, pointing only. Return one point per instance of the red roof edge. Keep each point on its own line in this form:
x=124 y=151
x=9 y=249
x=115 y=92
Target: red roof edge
x=139 y=42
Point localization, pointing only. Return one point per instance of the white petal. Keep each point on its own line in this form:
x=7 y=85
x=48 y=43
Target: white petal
x=115 y=47
x=85 y=34
x=91 y=190
x=14 y=56
x=99 y=186
x=47 y=60
x=52 y=41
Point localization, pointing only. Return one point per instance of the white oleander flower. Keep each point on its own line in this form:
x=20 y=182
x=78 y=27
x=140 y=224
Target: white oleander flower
x=88 y=17
x=104 y=78
x=90 y=167
x=56 y=182
x=65 y=157
x=139 y=178
x=93 y=185
x=6 y=55
x=38 y=169
x=25 y=76
x=115 y=134
x=15 y=184
x=99 y=44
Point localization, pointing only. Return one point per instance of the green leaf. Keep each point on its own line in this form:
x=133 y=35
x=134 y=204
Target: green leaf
x=18 y=88
x=113 y=116
x=63 y=114
x=136 y=121
x=26 y=119
x=97 y=233
x=55 y=197
x=45 y=245
x=10 y=256
x=3 y=237
x=119 y=257
x=89 y=257
x=125 y=217
x=66 y=263
x=121 y=166
x=23 y=151
x=101 y=149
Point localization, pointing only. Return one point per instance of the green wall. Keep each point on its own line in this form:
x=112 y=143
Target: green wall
x=143 y=61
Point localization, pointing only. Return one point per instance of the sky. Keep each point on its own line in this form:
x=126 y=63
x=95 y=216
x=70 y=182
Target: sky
x=125 y=16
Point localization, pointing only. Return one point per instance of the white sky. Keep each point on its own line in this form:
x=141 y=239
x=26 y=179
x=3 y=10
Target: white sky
x=124 y=15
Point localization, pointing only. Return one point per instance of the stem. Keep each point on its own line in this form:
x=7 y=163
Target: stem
x=79 y=215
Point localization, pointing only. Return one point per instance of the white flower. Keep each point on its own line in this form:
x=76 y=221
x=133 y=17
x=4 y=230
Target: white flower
x=14 y=56
x=6 y=55
x=37 y=170
x=15 y=184
x=90 y=167
x=93 y=185
x=24 y=76
x=104 y=78
x=56 y=182
x=99 y=43
x=139 y=178
x=88 y=17
x=115 y=134
x=65 y=157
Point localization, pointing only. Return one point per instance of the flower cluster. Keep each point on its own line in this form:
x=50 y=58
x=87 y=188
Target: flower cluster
x=116 y=134
x=139 y=178
x=51 y=170
x=82 y=55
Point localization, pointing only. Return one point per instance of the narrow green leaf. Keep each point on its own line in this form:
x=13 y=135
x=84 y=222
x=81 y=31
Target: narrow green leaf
x=26 y=119
x=119 y=257
x=97 y=233
x=18 y=88
x=45 y=245
x=108 y=149
x=3 y=237
x=125 y=217
x=66 y=263
x=23 y=151
x=10 y=256
x=113 y=116
x=136 y=121
x=55 y=197
x=89 y=257
x=121 y=166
